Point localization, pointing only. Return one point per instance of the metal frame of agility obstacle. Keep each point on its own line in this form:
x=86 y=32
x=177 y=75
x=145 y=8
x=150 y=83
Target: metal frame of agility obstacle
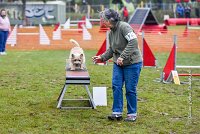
x=190 y=75
x=170 y=66
x=76 y=78
x=78 y=23
x=57 y=34
x=83 y=25
x=166 y=75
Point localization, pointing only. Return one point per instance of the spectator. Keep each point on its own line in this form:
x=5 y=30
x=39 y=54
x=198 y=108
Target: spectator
x=125 y=14
x=187 y=11
x=84 y=6
x=180 y=11
x=4 y=30
x=197 y=12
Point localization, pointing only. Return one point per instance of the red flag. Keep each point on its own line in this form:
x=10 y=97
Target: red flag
x=101 y=51
x=170 y=65
x=148 y=57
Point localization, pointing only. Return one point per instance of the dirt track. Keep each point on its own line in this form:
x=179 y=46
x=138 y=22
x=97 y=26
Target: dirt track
x=189 y=42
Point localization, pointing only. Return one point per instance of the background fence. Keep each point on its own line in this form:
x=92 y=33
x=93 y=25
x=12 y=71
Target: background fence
x=76 y=12
x=158 y=9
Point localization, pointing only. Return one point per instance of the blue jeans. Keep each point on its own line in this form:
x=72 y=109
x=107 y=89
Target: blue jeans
x=3 y=39
x=130 y=76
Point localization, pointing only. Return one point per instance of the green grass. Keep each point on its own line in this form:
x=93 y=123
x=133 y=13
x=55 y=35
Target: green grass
x=179 y=27
x=30 y=83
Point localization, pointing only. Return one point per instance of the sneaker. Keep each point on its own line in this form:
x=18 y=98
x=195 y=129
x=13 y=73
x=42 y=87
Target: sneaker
x=117 y=117
x=130 y=118
x=3 y=53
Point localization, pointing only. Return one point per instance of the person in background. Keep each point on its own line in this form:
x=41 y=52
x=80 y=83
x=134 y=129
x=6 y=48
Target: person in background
x=180 y=11
x=125 y=14
x=127 y=65
x=4 y=31
x=84 y=6
x=197 y=10
x=187 y=11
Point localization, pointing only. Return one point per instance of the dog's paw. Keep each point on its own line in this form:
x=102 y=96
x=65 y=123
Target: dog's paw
x=83 y=68
x=72 y=69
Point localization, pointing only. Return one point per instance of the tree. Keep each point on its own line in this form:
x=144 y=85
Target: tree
x=116 y=1
x=23 y=11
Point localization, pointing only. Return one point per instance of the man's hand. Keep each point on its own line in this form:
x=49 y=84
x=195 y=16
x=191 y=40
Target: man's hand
x=96 y=58
x=120 y=61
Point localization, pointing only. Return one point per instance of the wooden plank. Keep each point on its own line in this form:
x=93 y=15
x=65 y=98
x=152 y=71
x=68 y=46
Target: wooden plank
x=77 y=74
x=77 y=77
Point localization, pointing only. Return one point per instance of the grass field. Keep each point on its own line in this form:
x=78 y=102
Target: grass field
x=30 y=83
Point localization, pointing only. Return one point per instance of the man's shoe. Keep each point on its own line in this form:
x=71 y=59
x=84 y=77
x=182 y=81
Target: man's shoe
x=130 y=118
x=117 y=117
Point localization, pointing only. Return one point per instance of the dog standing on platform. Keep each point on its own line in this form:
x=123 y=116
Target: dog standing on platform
x=76 y=57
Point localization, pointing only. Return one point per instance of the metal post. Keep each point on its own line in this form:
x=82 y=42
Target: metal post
x=190 y=94
x=107 y=43
x=175 y=43
x=90 y=97
x=188 y=24
x=142 y=46
x=62 y=96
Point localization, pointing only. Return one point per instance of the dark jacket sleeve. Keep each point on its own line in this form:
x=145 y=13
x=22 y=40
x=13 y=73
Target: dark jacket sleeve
x=109 y=52
x=129 y=49
x=107 y=55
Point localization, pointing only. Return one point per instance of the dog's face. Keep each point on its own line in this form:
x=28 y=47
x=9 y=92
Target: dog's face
x=77 y=60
